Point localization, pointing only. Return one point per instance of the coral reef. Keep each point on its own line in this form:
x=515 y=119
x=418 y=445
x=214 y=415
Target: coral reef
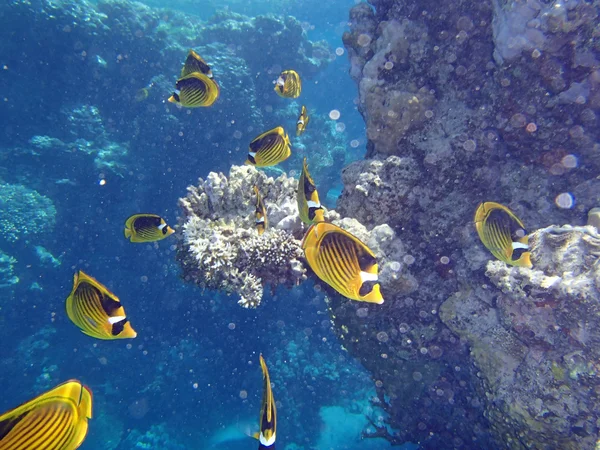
x=24 y=212
x=518 y=129
x=535 y=343
x=7 y=277
x=220 y=249
x=157 y=436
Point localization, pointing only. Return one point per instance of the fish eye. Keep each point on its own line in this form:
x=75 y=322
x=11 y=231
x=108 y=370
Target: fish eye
x=164 y=230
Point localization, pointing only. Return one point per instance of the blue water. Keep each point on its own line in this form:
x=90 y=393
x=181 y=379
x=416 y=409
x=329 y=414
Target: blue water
x=191 y=379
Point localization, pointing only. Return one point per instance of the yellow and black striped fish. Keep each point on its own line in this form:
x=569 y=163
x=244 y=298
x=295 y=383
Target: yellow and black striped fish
x=309 y=207
x=270 y=148
x=195 y=90
x=268 y=413
x=342 y=261
x=195 y=63
x=97 y=311
x=303 y=120
x=288 y=84
x=503 y=234
x=57 y=419
x=146 y=228
x=262 y=222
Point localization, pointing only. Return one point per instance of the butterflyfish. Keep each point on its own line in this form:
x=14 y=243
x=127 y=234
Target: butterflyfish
x=268 y=413
x=195 y=90
x=503 y=234
x=309 y=207
x=288 y=84
x=260 y=213
x=146 y=228
x=97 y=311
x=302 y=122
x=270 y=148
x=195 y=63
x=57 y=419
x=342 y=261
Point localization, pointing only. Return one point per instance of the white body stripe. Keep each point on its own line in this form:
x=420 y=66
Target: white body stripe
x=113 y=320
x=160 y=227
x=261 y=220
x=266 y=442
x=365 y=276
x=280 y=81
x=253 y=154
x=312 y=204
x=516 y=245
x=177 y=91
x=301 y=122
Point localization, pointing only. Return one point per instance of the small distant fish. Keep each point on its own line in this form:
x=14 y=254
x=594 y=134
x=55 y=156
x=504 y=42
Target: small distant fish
x=288 y=84
x=195 y=90
x=268 y=413
x=195 y=63
x=261 y=213
x=57 y=419
x=309 y=207
x=303 y=120
x=270 y=148
x=503 y=234
x=342 y=261
x=97 y=311
x=147 y=228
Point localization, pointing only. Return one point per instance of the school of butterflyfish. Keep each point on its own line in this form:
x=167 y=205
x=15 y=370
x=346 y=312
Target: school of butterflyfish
x=58 y=419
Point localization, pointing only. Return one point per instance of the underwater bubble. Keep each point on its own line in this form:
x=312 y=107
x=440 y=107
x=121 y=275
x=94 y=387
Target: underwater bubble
x=395 y=266
x=417 y=376
x=364 y=40
x=564 y=200
x=237 y=134
x=144 y=278
x=470 y=145
x=195 y=385
x=317 y=288
x=334 y=114
x=569 y=161
x=403 y=328
x=439 y=392
x=379 y=383
x=340 y=127
x=362 y=312
x=102 y=182
x=382 y=336
x=445 y=260
x=268 y=108
x=408 y=259
x=339 y=51
x=518 y=120
x=292 y=173
x=429 y=114
x=576 y=132
x=531 y=127
x=423 y=351
x=389 y=65
x=435 y=351
x=243 y=394
x=461 y=71
x=354 y=143
x=384 y=355
x=128 y=346
x=307 y=331
x=535 y=54
x=557 y=169
x=231 y=326
x=409 y=301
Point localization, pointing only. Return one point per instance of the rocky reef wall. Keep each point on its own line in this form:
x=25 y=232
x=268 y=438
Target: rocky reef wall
x=467 y=102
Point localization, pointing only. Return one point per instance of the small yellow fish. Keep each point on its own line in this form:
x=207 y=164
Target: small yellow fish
x=503 y=234
x=303 y=120
x=288 y=85
x=342 y=261
x=268 y=413
x=146 y=228
x=97 y=311
x=260 y=213
x=57 y=419
x=195 y=63
x=309 y=207
x=195 y=90
x=270 y=148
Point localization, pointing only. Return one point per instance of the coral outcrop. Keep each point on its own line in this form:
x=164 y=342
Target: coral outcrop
x=468 y=102
x=221 y=250
x=535 y=341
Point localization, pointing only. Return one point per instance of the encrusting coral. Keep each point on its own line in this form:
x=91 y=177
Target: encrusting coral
x=221 y=250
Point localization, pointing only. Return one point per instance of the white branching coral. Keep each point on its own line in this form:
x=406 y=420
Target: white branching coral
x=221 y=249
